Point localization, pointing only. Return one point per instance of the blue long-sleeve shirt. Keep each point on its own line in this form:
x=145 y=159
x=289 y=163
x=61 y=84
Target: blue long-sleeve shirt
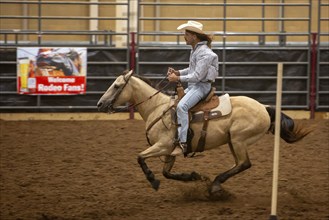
x=203 y=65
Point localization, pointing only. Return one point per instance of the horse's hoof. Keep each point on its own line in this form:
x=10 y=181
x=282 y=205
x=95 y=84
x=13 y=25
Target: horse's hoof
x=217 y=193
x=155 y=184
x=215 y=189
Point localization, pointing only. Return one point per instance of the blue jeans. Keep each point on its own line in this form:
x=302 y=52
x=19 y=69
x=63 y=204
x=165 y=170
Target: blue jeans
x=194 y=94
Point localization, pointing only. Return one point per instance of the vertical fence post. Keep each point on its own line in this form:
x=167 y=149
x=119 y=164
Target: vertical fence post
x=313 y=75
x=275 y=181
x=39 y=22
x=132 y=65
x=132 y=51
x=39 y=40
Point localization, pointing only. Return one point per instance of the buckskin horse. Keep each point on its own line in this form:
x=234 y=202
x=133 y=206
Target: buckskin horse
x=247 y=122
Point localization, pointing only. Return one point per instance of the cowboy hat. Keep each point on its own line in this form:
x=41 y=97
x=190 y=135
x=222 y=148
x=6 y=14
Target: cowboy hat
x=192 y=26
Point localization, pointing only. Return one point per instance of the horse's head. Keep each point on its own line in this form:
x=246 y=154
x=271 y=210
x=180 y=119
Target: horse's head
x=116 y=94
x=76 y=59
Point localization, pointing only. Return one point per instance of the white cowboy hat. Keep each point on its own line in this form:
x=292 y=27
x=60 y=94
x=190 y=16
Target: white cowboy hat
x=192 y=26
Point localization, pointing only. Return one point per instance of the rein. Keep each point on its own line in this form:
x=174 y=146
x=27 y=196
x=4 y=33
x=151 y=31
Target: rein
x=118 y=92
x=157 y=92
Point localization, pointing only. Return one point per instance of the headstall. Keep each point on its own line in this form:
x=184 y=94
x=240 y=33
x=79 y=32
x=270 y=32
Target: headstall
x=118 y=92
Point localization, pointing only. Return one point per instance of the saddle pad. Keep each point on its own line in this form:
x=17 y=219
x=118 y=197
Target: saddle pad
x=224 y=108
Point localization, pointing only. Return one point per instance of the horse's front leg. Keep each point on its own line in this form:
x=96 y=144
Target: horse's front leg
x=154 y=151
x=169 y=163
x=148 y=173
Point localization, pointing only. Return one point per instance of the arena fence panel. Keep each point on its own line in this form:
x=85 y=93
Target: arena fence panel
x=250 y=37
x=89 y=24
x=249 y=45
x=322 y=73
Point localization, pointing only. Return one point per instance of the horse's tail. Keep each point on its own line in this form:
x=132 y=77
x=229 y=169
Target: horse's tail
x=290 y=131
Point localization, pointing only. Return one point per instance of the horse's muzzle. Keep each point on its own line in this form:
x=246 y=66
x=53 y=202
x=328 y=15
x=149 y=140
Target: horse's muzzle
x=110 y=109
x=105 y=108
x=101 y=107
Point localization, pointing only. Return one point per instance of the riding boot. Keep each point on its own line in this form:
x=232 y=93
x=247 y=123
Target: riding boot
x=183 y=146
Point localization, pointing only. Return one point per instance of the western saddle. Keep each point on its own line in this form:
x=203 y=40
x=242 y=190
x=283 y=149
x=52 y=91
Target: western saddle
x=206 y=105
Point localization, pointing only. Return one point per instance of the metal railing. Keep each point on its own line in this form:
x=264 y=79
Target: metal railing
x=278 y=41
x=225 y=46
x=322 y=76
x=40 y=32
x=36 y=36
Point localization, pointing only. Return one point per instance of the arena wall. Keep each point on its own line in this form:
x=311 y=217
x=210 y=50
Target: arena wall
x=250 y=38
x=209 y=12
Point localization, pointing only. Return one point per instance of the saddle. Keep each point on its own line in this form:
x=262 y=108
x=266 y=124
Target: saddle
x=210 y=108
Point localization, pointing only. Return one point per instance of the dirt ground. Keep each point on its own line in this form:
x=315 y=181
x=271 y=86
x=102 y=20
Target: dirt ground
x=54 y=170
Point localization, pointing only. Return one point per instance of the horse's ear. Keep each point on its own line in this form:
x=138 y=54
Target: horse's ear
x=127 y=72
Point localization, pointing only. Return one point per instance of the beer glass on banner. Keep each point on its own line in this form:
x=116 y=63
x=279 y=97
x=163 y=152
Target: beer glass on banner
x=31 y=80
x=23 y=73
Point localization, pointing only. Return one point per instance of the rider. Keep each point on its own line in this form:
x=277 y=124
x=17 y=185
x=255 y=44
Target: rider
x=201 y=73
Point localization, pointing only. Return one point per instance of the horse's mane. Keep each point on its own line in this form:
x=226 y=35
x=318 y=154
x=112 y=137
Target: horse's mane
x=148 y=81
x=159 y=86
x=144 y=79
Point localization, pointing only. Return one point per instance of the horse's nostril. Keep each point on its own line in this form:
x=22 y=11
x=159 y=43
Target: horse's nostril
x=99 y=104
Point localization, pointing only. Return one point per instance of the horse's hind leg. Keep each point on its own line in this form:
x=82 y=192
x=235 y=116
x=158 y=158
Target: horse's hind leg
x=169 y=163
x=242 y=162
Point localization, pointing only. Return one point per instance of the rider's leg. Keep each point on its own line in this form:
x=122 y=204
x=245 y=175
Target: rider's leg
x=191 y=98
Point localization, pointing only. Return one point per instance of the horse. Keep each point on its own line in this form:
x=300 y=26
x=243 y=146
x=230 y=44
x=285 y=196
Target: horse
x=50 y=62
x=247 y=123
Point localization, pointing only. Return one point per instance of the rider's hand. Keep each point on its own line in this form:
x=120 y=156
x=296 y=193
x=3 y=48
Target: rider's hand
x=172 y=70
x=173 y=77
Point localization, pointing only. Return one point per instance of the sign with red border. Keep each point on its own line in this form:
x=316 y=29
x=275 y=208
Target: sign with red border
x=51 y=71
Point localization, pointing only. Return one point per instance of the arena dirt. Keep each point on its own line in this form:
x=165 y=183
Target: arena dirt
x=76 y=170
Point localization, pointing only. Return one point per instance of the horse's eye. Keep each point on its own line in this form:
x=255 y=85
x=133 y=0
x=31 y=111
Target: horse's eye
x=116 y=86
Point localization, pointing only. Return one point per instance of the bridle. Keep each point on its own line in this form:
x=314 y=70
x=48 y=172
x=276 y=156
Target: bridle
x=119 y=90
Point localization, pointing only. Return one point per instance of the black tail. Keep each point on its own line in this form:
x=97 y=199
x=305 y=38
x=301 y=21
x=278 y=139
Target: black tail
x=290 y=132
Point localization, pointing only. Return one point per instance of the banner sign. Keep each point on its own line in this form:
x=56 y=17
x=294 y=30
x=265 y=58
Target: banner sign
x=51 y=71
